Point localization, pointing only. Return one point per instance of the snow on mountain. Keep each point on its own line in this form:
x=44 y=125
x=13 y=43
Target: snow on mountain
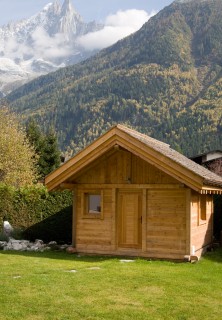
x=41 y=44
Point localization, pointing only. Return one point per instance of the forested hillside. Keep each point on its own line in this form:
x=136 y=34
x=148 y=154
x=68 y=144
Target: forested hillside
x=165 y=80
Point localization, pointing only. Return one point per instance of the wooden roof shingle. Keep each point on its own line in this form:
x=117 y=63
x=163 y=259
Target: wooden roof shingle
x=209 y=177
x=154 y=151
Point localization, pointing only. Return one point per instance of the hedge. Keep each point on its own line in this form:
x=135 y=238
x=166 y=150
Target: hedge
x=28 y=206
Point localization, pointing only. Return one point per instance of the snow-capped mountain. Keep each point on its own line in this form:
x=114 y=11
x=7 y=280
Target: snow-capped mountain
x=41 y=44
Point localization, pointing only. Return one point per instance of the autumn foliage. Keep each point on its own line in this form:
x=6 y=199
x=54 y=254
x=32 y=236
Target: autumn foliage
x=17 y=157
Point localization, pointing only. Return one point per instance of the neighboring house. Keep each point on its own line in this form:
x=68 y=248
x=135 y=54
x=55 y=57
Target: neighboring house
x=135 y=196
x=211 y=160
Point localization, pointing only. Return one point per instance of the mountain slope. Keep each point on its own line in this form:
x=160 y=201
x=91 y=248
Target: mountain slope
x=165 y=80
x=41 y=44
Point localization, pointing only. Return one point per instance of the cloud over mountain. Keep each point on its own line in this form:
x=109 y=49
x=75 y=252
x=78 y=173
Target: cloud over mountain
x=117 y=26
x=49 y=47
x=55 y=37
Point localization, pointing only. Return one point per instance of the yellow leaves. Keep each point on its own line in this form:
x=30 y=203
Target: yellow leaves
x=17 y=157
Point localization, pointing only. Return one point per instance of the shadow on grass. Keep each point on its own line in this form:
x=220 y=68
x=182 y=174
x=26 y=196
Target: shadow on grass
x=215 y=256
x=61 y=255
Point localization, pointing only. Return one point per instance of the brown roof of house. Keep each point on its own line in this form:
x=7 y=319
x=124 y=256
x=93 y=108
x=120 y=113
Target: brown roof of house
x=209 y=177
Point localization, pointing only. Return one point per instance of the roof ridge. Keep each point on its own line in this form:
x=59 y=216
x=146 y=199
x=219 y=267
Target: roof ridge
x=128 y=130
x=208 y=176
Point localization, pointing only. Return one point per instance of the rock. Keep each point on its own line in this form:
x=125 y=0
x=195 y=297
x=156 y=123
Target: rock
x=38 y=245
x=2 y=244
x=94 y=268
x=71 y=250
x=63 y=247
x=194 y=258
x=52 y=243
x=73 y=271
x=7 y=228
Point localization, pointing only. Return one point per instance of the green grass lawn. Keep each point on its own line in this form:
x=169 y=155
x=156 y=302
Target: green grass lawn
x=56 y=285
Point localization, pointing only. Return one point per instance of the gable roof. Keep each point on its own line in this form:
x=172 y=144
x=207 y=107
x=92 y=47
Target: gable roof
x=209 y=177
x=154 y=151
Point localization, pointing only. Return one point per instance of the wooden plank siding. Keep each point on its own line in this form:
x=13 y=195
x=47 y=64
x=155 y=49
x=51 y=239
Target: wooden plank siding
x=166 y=222
x=96 y=233
x=201 y=230
x=121 y=167
x=163 y=209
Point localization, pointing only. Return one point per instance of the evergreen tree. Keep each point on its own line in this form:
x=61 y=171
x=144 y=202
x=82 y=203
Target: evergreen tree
x=51 y=153
x=35 y=135
x=46 y=147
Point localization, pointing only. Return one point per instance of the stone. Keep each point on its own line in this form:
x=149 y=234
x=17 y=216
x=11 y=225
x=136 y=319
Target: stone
x=2 y=244
x=194 y=259
x=71 y=250
x=7 y=228
x=38 y=245
x=52 y=243
x=63 y=247
x=94 y=268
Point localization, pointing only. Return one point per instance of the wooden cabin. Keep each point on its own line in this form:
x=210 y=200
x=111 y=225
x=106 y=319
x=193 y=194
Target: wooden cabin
x=135 y=196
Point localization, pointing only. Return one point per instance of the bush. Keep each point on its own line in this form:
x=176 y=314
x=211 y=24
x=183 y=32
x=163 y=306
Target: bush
x=28 y=206
x=57 y=227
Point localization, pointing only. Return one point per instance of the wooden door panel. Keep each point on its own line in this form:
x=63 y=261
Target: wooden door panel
x=129 y=219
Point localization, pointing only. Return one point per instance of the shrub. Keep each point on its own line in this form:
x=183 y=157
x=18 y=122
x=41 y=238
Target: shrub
x=57 y=227
x=28 y=206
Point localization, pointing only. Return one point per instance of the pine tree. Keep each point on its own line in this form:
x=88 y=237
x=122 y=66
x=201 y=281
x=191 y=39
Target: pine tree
x=34 y=135
x=46 y=147
x=51 y=153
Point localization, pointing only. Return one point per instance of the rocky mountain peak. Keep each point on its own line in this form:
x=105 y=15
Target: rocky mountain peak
x=54 y=7
x=67 y=7
x=69 y=21
x=41 y=44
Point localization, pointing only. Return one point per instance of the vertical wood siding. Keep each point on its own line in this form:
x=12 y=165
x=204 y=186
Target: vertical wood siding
x=166 y=223
x=201 y=231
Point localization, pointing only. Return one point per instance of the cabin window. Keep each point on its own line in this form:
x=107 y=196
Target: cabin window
x=202 y=209
x=92 y=204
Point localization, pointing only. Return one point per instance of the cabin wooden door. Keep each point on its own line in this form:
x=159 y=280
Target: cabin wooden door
x=129 y=219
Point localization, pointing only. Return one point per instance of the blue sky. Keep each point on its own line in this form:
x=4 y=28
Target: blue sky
x=13 y=10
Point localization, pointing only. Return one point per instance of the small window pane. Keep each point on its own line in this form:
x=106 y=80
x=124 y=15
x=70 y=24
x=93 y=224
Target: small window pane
x=203 y=209
x=94 y=203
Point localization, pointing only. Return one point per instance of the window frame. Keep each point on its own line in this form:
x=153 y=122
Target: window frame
x=203 y=204
x=85 y=204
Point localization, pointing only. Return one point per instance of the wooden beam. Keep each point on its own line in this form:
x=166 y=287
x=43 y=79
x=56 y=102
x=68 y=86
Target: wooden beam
x=74 y=218
x=211 y=190
x=188 y=222
x=59 y=177
x=114 y=219
x=129 y=186
x=67 y=186
x=144 y=219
